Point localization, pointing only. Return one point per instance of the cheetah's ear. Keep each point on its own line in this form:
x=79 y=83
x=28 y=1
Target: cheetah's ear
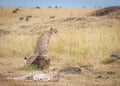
x=25 y=58
x=51 y=28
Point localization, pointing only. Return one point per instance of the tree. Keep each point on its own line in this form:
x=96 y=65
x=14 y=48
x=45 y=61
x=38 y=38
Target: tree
x=38 y=7
x=56 y=6
x=49 y=7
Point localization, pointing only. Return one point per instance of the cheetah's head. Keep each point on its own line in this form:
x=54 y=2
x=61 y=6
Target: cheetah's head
x=53 y=31
x=30 y=59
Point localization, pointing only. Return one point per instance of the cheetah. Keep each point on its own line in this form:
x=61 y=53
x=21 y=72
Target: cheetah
x=41 y=47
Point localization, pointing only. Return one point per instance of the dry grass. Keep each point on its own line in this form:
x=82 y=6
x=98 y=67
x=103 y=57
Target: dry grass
x=84 y=43
x=40 y=14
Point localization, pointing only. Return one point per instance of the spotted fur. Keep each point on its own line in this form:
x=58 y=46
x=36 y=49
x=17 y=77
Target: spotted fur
x=41 y=47
x=38 y=76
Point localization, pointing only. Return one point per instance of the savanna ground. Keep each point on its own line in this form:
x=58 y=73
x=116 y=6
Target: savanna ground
x=82 y=41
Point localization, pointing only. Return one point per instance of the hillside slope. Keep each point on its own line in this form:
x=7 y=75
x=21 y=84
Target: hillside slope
x=10 y=15
x=112 y=12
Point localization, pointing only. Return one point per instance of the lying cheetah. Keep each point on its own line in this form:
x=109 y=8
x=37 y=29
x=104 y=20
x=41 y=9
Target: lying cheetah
x=51 y=75
x=39 y=61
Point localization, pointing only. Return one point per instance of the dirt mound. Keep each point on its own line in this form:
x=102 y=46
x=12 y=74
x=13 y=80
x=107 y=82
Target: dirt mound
x=71 y=70
x=115 y=55
x=2 y=31
x=113 y=12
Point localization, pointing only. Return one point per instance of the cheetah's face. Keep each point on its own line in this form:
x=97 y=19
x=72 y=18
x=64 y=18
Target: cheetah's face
x=53 y=31
x=30 y=59
x=26 y=60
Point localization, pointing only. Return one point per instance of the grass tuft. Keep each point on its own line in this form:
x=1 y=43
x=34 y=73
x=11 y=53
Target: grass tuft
x=29 y=67
x=109 y=60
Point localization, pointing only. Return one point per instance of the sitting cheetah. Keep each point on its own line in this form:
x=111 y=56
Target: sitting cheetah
x=41 y=47
x=40 y=57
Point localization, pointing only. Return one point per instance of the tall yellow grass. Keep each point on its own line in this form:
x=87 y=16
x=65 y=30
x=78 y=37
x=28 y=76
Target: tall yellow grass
x=72 y=46
x=76 y=46
x=15 y=45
